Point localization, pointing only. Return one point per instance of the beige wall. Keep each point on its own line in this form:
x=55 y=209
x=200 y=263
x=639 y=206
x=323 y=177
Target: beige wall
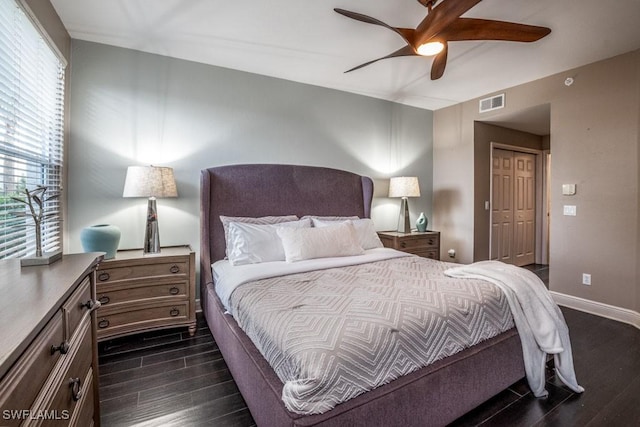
x=595 y=135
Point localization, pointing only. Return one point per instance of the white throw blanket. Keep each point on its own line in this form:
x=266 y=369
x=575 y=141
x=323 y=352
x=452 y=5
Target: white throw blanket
x=539 y=321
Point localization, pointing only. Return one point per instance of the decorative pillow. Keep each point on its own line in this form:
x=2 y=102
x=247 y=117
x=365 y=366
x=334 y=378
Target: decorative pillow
x=330 y=241
x=254 y=243
x=250 y=220
x=365 y=231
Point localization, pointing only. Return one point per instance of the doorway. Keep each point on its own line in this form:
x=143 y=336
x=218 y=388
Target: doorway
x=516 y=199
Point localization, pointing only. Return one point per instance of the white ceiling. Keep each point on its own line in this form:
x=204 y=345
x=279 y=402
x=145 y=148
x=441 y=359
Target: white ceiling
x=306 y=41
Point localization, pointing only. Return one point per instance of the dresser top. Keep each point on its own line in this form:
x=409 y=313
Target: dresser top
x=30 y=296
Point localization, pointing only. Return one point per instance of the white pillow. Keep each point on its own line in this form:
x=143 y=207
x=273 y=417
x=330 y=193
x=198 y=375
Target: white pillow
x=365 y=231
x=308 y=243
x=330 y=218
x=254 y=243
x=251 y=220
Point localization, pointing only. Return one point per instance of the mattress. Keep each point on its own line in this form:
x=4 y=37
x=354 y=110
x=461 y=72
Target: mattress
x=334 y=330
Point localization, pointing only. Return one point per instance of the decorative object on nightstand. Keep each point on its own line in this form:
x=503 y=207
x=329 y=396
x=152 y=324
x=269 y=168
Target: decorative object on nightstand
x=404 y=187
x=421 y=223
x=101 y=238
x=425 y=244
x=141 y=292
x=152 y=182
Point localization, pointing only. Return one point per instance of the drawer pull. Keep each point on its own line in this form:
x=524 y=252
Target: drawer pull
x=174 y=312
x=76 y=388
x=63 y=348
x=104 y=323
x=88 y=305
x=174 y=269
x=103 y=277
x=174 y=291
x=104 y=299
x=431 y=242
x=403 y=244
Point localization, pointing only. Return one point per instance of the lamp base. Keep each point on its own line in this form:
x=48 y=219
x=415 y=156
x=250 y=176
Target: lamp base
x=151 y=233
x=404 y=226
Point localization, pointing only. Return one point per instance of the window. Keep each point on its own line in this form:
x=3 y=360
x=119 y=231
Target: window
x=31 y=131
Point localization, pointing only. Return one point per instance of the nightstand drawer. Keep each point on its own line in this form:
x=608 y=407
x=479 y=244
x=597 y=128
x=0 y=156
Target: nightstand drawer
x=432 y=254
x=425 y=244
x=410 y=244
x=112 y=296
x=139 y=291
x=106 y=275
x=122 y=322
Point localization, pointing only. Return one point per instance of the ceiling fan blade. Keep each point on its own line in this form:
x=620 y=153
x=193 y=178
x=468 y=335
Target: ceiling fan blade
x=439 y=63
x=485 y=29
x=404 y=51
x=405 y=33
x=440 y=18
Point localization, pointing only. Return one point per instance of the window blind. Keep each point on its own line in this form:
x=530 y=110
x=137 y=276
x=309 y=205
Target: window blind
x=31 y=132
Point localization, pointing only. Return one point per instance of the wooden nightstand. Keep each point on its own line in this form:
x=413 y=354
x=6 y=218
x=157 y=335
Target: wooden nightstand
x=140 y=292
x=425 y=244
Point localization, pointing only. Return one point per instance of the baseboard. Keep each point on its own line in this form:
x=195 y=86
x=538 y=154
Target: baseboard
x=599 y=309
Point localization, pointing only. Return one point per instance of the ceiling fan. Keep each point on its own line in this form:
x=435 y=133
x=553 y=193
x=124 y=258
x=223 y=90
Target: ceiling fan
x=442 y=25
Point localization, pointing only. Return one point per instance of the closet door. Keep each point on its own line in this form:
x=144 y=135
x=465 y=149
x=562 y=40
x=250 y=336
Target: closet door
x=525 y=208
x=513 y=216
x=502 y=206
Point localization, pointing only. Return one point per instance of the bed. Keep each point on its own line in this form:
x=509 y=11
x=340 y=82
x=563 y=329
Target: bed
x=434 y=395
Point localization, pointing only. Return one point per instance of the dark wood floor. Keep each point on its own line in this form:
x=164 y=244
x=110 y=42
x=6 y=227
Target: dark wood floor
x=170 y=379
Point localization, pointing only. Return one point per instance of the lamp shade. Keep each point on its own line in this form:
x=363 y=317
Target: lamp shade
x=149 y=181
x=404 y=186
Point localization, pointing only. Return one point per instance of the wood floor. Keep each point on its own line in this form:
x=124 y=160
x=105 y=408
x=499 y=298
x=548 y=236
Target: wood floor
x=170 y=379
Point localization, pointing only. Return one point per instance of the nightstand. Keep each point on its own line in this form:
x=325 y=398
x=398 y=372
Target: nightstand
x=141 y=292
x=425 y=244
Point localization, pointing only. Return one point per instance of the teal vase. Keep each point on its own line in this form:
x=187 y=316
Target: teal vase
x=422 y=222
x=101 y=238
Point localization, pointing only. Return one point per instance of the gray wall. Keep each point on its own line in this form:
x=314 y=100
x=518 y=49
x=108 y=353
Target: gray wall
x=132 y=108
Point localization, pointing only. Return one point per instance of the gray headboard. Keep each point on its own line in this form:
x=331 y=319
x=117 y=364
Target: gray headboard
x=262 y=189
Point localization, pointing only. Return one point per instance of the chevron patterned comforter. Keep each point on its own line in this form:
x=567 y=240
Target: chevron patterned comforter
x=335 y=333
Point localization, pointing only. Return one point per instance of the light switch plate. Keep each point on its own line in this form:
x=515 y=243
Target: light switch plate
x=568 y=189
x=569 y=210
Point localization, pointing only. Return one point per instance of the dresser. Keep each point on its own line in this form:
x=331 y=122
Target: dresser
x=48 y=343
x=140 y=292
x=425 y=244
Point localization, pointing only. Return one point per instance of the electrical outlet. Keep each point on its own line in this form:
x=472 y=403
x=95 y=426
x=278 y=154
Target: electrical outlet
x=586 y=279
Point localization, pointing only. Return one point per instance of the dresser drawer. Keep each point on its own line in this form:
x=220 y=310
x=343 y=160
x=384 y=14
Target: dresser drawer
x=106 y=275
x=112 y=295
x=83 y=414
x=68 y=389
x=77 y=306
x=23 y=382
x=122 y=322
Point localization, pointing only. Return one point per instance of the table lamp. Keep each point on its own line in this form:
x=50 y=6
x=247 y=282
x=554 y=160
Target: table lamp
x=404 y=187
x=151 y=182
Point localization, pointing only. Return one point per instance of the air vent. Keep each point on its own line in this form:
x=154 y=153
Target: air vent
x=493 y=103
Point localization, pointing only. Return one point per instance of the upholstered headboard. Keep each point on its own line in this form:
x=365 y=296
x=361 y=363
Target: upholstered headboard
x=261 y=189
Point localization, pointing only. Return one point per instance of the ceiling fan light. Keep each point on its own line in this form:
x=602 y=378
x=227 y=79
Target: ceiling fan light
x=430 y=49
